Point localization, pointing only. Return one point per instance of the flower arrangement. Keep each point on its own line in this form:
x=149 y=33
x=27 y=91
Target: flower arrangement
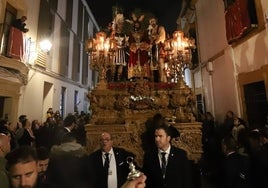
x=128 y=85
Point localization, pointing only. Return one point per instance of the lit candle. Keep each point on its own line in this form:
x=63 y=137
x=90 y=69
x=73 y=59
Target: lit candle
x=112 y=45
x=101 y=47
x=90 y=44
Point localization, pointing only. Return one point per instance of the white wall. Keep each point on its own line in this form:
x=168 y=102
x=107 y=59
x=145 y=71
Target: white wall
x=31 y=100
x=32 y=96
x=228 y=61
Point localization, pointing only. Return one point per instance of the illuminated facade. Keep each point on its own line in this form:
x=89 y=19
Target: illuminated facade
x=38 y=78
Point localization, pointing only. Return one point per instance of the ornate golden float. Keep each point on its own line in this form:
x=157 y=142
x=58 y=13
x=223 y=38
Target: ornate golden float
x=122 y=108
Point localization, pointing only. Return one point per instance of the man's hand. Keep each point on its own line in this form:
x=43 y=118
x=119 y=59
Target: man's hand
x=136 y=183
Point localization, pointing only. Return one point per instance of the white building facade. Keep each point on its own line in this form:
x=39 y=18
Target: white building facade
x=58 y=78
x=232 y=74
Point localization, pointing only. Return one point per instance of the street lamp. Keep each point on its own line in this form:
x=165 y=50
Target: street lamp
x=45 y=45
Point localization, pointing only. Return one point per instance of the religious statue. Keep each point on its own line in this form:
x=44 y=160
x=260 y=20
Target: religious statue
x=157 y=35
x=139 y=42
x=121 y=41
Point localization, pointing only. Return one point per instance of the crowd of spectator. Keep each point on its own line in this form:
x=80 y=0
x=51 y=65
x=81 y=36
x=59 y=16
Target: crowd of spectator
x=234 y=154
x=50 y=154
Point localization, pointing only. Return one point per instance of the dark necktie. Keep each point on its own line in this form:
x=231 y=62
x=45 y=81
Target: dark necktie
x=106 y=162
x=106 y=168
x=164 y=163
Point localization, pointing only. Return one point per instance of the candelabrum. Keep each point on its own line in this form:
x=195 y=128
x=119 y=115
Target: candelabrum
x=101 y=51
x=178 y=50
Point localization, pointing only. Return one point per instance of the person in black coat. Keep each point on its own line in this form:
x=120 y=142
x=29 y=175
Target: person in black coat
x=44 y=136
x=260 y=161
x=176 y=172
x=20 y=24
x=66 y=168
x=235 y=167
x=27 y=138
x=115 y=173
x=69 y=124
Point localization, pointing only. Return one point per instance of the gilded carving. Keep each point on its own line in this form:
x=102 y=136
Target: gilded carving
x=123 y=109
x=129 y=137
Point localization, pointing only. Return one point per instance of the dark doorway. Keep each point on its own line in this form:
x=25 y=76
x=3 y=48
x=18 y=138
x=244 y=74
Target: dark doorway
x=4 y=106
x=256 y=103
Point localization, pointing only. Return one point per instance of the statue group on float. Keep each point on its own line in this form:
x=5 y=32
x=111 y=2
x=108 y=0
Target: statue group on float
x=140 y=48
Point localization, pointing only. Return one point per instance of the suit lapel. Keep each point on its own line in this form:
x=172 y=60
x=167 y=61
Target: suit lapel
x=116 y=156
x=170 y=158
x=171 y=155
x=99 y=159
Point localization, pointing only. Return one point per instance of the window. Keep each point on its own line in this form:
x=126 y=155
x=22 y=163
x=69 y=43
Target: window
x=69 y=13
x=76 y=59
x=76 y=101
x=44 y=30
x=10 y=15
x=201 y=108
x=240 y=18
x=64 y=49
x=62 y=101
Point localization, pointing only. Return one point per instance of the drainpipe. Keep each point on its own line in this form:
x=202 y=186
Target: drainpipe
x=236 y=81
x=209 y=68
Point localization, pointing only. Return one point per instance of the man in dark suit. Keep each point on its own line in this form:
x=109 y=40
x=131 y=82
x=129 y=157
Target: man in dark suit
x=166 y=166
x=69 y=124
x=108 y=166
x=235 y=167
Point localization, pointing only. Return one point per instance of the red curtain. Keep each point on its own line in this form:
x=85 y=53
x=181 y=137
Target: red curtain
x=15 y=44
x=237 y=20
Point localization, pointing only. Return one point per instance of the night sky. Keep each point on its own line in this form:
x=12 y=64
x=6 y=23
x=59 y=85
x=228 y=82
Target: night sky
x=167 y=11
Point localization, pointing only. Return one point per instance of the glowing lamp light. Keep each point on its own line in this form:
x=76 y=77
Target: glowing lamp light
x=45 y=45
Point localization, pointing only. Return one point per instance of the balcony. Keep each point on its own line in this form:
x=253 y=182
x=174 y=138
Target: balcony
x=12 y=68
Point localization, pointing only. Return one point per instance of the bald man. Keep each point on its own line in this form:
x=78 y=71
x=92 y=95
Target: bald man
x=108 y=164
x=4 y=149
